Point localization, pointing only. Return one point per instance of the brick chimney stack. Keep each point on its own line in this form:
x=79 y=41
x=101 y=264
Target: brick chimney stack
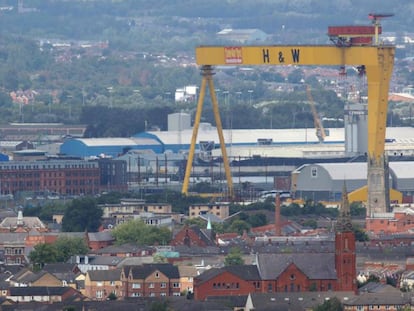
x=278 y=226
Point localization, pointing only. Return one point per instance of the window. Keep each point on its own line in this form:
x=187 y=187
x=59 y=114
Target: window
x=163 y=294
x=112 y=283
x=176 y=285
x=99 y=294
x=157 y=275
x=99 y=284
x=136 y=285
x=176 y=294
x=136 y=295
x=163 y=285
x=152 y=294
x=314 y=172
x=151 y=285
x=269 y=287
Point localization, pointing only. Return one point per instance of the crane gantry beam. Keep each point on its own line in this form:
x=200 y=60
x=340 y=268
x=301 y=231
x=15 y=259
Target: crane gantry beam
x=378 y=61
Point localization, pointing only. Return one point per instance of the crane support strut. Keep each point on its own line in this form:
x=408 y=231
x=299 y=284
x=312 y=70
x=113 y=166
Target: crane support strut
x=378 y=61
x=207 y=74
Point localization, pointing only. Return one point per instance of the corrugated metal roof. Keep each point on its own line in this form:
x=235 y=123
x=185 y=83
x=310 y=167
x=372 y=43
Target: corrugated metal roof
x=344 y=171
x=403 y=169
x=93 y=142
x=248 y=136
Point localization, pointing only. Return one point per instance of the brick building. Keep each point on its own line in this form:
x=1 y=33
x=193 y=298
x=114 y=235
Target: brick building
x=67 y=177
x=63 y=176
x=401 y=220
x=193 y=236
x=221 y=210
x=288 y=271
x=99 y=284
x=150 y=280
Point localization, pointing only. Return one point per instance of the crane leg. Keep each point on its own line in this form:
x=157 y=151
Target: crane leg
x=378 y=78
x=220 y=135
x=207 y=73
x=189 y=165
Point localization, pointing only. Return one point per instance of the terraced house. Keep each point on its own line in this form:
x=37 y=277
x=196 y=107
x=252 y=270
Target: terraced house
x=150 y=280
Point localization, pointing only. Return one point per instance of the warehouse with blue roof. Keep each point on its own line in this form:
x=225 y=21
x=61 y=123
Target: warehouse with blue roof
x=108 y=147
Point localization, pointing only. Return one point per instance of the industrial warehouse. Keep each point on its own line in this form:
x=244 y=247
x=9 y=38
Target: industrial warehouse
x=283 y=159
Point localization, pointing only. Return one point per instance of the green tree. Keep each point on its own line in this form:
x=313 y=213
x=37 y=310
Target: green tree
x=82 y=214
x=332 y=304
x=358 y=209
x=43 y=253
x=112 y=296
x=67 y=247
x=360 y=234
x=239 y=226
x=136 y=231
x=234 y=257
x=257 y=220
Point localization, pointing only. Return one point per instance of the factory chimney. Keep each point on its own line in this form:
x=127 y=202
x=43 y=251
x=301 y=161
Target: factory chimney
x=278 y=226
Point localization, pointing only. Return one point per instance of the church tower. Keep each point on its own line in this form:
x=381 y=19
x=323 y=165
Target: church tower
x=345 y=256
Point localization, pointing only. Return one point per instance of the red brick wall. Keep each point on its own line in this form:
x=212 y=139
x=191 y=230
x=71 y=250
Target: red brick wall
x=345 y=261
x=225 y=284
x=194 y=239
x=292 y=280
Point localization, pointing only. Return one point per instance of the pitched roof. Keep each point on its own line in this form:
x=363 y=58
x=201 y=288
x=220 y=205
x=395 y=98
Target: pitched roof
x=244 y=272
x=187 y=271
x=59 y=267
x=105 y=275
x=202 y=234
x=313 y=265
x=384 y=295
x=38 y=291
x=100 y=236
x=141 y=272
x=124 y=248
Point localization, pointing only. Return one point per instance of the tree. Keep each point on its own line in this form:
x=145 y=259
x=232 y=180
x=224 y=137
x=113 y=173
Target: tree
x=234 y=257
x=360 y=234
x=67 y=247
x=136 y=231
x=112 y=296
x=82 y=214
x=59 y=251
x=239 y=226
x=332 y=304
x=43 y=253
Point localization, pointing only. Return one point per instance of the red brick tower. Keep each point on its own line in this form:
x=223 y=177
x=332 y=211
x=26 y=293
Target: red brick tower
x=345 y=257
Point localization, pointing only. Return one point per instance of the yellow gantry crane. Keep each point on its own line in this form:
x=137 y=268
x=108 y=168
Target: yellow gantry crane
x=351 y=48
x=320 y=130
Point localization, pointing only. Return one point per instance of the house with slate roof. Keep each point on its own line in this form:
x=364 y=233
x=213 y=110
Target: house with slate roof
x=65 y=272
x=45 y=294
x=150 y=280
x=26 y=277
x=376 y=296
x=99 y=284
x=97 y=240
x=193 y=236
x=124 y=250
